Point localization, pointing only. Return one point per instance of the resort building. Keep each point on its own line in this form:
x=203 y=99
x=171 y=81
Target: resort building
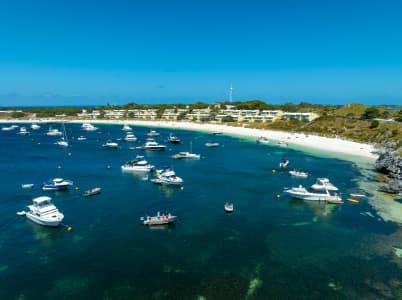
x=299 y=116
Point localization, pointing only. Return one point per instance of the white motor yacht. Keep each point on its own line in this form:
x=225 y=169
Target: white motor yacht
x=110 y=144
x=56 y=184
x=88 y=127
x=150 y=144
x=35 y=126
x=323 y=191
x=298 y=174
x=44 y=212
x=126 y=128
x=138 y=164
x=152 y=133
x=130 y=137
x=159 y=219
x=168 y=177
x=54 y=132
x=262 y=140
x=23 y=131
x=173 y=139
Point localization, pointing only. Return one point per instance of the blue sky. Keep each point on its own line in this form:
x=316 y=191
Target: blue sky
x=93 y=52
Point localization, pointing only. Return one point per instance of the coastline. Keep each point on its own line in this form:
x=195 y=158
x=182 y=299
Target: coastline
x=314 y=142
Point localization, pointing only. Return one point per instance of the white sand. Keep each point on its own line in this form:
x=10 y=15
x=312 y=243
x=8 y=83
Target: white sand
x=331 y=145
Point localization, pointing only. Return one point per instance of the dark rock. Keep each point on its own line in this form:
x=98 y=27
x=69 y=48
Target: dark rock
x=394 y=187
x=390 y=163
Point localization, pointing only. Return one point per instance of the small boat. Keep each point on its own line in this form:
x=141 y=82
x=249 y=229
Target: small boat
x=262 y=140
x=23 y=131
x=352 y=200
x=228 y=207
x=110 y=144
x=216 y=132
x=150 y=144
x=43 y=212
x=35 y=126
x=126 y=128
x=159 y=219
x=56 y=184
x=152 y=133
x=282 y=144
x=92 y=192
x=81 y=138
x=173 y=139
x=334 y=201
x=89 y=127
x=284 y=163
x=138 y=164
x=27 y=186
x=212 y=144
x=130 y=137
x=54 y=132
x=187 y=155
x=358 y=195
x=298 y=174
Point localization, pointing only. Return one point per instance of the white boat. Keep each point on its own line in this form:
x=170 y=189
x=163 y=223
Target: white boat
x=43 y=212
x=81 y=138
x=138 y=164
x=188 y=155
x=63 y=140
x=322 y=190
x=357 y=195
x=262 y=140
x=56 y=184
x=150 y=144
x=23 y=131
x=282 y=144
x=110 y=144
x=88 y=127
x=168 y=177
x=212 y=144
x=12 y=127
x=284 y=163
x=130 y=137
x=152 y=133
x=159 y=219
x=53 y=132
x=35 y=126
x=126 y=128
x=298 y=173
x=92 y=192
x=228 y=207
x=27 y=186
x=173 y=139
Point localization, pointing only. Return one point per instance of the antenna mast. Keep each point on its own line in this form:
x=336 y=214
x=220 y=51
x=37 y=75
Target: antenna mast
x=230 y=94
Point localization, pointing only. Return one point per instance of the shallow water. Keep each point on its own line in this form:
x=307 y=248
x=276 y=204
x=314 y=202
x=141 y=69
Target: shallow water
x=268 y=248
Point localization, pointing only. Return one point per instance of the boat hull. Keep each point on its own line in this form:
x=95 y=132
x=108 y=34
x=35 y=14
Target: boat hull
x=54 y=222
x=137 y=169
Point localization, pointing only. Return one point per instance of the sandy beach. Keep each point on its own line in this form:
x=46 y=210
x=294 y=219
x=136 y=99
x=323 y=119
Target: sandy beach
x=330 y=145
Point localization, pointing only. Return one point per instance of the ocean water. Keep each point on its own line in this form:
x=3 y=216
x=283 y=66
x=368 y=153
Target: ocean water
x=269 y=248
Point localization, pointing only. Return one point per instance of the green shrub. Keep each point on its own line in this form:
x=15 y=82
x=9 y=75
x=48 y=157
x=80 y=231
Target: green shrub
x=374 y=124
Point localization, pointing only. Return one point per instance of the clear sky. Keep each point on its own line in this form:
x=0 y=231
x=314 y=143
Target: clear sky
x=93 y=52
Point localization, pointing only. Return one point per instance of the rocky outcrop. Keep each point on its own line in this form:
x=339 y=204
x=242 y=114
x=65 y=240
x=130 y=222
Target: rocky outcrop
x=390 y=163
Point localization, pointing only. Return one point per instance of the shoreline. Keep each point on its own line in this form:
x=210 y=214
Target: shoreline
x=315 y=142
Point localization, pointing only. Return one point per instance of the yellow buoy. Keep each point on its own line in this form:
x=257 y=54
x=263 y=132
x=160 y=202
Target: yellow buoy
x=353 y=201
x=59 y=167
x=69 y=228
x=182 y=188
x=72 y=137
x=69 y=154
x=273 y=171
x=223 y=146
x=38 y=143
x=76 y=188
x=32 y=139
x=278 y=196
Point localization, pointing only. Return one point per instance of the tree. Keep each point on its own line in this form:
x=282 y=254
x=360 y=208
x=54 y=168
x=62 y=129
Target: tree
x=374 y=124
x=399 y=117
x=370 y=113
x=182 y=115
x=17 y=115
x=227 y=119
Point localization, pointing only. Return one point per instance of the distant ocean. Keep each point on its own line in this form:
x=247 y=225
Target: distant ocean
x=269 y=248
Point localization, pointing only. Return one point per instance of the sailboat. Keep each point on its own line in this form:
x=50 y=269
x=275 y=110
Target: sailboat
x=63 y=140
x=190 y=154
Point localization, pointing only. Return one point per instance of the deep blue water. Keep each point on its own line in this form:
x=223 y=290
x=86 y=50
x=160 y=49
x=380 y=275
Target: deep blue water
x=269 y=248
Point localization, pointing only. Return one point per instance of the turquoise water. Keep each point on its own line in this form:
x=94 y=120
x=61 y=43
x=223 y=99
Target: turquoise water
x=269 y=248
